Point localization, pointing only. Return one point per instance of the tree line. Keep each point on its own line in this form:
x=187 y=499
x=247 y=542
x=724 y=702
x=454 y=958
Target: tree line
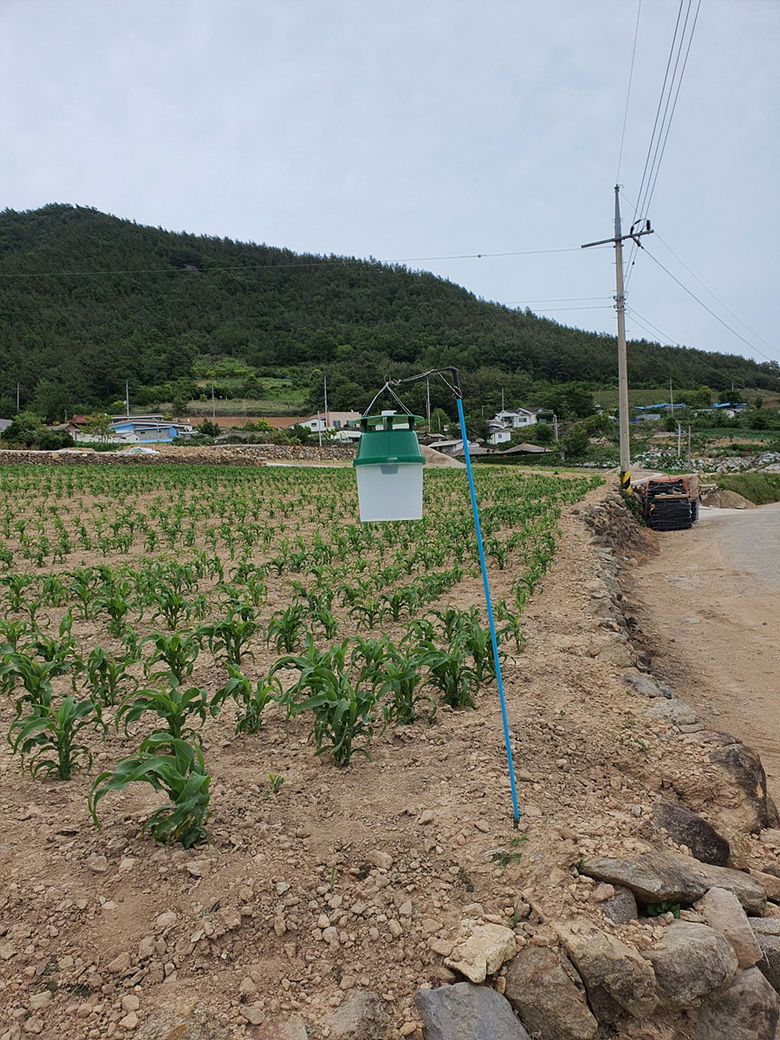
x=88 y=301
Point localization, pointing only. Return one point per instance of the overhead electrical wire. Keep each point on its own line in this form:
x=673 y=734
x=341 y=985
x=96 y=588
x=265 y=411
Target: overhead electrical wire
x=717 y=299
x=554 y=310
x=558 y=299
x=628 y=92
x=709 y=310
x=648 y=326
x=677 y=61
x=671 y=89
x=131 y=272
x=650 y=191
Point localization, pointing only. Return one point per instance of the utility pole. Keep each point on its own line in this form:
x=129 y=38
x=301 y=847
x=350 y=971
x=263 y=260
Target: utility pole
x=127 y=398
x=620 y=306
x=17 y=397
x=671 y=394
x=325 y=395
x=428 y=403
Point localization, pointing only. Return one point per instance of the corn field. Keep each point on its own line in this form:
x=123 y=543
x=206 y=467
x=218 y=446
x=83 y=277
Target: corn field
x=157 y=604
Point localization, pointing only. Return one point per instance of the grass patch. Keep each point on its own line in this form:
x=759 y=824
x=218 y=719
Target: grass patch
x=755 y=487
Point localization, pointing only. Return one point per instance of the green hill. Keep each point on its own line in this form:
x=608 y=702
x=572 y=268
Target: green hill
x=88 y=301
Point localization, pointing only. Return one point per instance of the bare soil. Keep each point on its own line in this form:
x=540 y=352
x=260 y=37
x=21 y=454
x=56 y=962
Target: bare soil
x=348 y=879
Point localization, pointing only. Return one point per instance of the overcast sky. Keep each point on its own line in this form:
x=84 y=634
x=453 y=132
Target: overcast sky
x=421 y=129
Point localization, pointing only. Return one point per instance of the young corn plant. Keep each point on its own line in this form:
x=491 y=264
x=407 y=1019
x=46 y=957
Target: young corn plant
x=107 y=675
x=82 y=589
x=345 y=716
x=476 y=641
x=368 y=612
x=172 y=606
x=174 y=706
x=53 y=591
x=46 y=738
x=285 y=628
x=399 y=689
x=449 y=673
x=16 y=590
x=510 y=626
x=116 y=604
x=250 y=700
x=11 y=632
x=345 y=713
x=229 y=638
x=171 y=765
x=34 y=675
x=177 y=652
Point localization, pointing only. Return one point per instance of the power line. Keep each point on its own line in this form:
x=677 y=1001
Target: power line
x=663 y=115
x=648 y=325
x=559 y=299
x=628 y=92
x=601 y=307
x=645 y=323
x=481 y=256
x=712 y=294
x=667 y=105
x=256 y=267
x=651 y=187
x=709 y=310
x=658 y=109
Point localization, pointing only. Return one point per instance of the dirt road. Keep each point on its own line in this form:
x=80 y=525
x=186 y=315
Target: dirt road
x=712 y=597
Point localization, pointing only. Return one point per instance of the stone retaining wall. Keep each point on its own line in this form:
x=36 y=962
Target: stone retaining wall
x=222 y=455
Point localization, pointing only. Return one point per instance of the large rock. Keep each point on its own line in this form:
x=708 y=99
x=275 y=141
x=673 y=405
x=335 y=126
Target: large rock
x=645 y=686
x=361 y=1017
x=722 y=911
x=617 y=979
x=690 y=961
x=767 y=933
x=621 y=908
x=467 y=1012
x=185 y=1019
x=675 y=711
x=662 y=877
x=770 y=884
x=747 y=890
x=541 y=991
x=653 y=876
x=742 y=766
x=688 y=828
x=483 y=952
x=765 y=925
x=277 y=1029
x=746 y=1010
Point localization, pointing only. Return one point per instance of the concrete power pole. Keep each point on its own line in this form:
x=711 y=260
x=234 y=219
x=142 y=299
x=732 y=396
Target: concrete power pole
x=620 y=307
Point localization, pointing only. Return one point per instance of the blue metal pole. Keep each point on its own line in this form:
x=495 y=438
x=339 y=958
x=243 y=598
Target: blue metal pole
x=489 y=606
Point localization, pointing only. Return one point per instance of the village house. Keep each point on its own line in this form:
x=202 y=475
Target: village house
x=455 y=447
x=326 y=422
x=129 y=429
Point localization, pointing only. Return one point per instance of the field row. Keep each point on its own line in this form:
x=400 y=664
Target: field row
x=146 y=601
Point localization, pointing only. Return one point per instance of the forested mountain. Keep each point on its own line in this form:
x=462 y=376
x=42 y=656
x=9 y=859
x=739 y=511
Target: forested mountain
x=88 y=300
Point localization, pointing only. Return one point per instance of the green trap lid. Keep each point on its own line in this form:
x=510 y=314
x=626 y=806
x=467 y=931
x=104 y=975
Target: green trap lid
x=388 y=439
